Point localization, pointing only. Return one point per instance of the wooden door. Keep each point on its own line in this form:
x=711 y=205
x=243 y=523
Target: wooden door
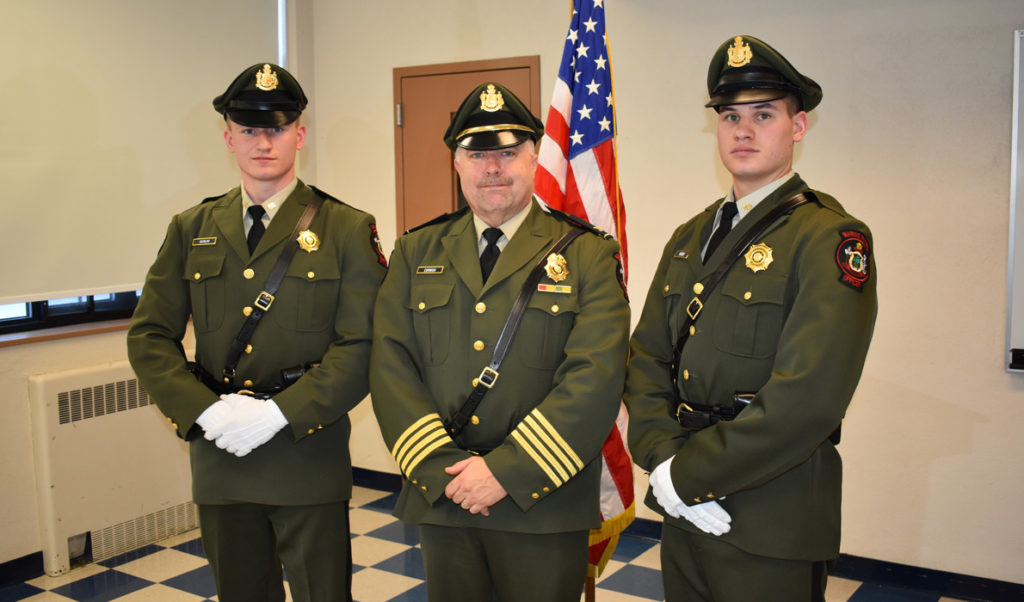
x=426 y=99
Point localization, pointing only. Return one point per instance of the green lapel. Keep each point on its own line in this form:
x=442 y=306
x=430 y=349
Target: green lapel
x=227 y=214
x=532 y=237
x=460 y=244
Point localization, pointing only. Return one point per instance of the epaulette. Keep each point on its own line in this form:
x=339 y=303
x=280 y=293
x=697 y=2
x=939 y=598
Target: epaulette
x=212 y=198
x=327 y=196
x=577 y=221
x=439 y=220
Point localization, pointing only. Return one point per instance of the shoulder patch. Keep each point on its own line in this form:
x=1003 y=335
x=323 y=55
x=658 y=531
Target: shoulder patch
x=375 y=244
x=576 y=221
x=620 y=273
x=853 y=258
x=439 y=220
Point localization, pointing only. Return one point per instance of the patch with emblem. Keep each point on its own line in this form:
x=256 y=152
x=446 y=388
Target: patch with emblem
x=430 y=269
x=308 y=241
x=556 y=268
x=853 y=259
x=204 y=241
x=620 y=273
x=554 y=288
x=758 y=257
x=375 y=243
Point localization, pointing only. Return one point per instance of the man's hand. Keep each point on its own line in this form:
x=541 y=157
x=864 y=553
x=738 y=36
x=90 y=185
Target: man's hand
x=474 y=486
x=709 y=517
x=250 y=424
x=663 y=489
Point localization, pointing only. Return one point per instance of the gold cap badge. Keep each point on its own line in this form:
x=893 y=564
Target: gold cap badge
x=266 y=79
x=556 y=267
x=491 y=100
x=739 y=53
x=759 y=257
x=308 y=241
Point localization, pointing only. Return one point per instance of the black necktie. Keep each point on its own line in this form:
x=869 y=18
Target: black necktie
x=724 y=226
x=491 y=251
x=256 y=231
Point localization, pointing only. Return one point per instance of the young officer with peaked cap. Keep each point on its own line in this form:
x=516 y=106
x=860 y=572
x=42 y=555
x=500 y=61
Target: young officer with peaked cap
x=504 y=506
x=743 y=459
x=266 y=419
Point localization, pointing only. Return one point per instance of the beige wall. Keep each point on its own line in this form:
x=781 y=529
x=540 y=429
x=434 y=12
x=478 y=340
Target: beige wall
x=913 y=137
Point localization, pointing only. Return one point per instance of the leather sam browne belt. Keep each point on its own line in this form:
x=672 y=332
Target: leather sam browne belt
x=694 y=417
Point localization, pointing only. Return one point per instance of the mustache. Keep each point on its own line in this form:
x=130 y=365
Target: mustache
x=494 y=182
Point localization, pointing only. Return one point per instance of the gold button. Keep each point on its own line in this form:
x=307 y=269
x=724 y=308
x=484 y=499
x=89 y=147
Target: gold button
x=248 y=273
x=481 y=307
x=170 y=420
x=246 y=311
x=247 y=383
x=319 y=427
x=747 y=295
x=197 y=275
x=422 y=305
x=547 y=489
x=310 y=432
x=310 y=275
x=478 y=345
x=666 y=288
x=227 y=380
x=476 y=381
x=423 y=487
x=415 y=482
x=686 y=375
x=535 y=495
x=475 y=419
x=248 y=348
x=697 y=499
x=175 y=426
x=711 y=495
x=554 y=309
x=698 y=288
x=693 y=330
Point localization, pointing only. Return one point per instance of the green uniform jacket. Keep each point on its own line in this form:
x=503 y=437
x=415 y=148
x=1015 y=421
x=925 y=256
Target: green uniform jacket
x=322 y=313
x=558 y=393
x=796 y=335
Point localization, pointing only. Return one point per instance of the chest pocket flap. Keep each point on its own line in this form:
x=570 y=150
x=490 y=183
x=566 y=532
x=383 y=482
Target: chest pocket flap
x=750 y=318
x=430 y=303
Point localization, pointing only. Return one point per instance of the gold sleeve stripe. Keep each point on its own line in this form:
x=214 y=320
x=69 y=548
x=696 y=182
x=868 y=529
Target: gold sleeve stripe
x=409 y=432
x=523 y=443
x=426 y=452
x=561 y=442
x=545 y=451
x=428 y=439
x=537 y=433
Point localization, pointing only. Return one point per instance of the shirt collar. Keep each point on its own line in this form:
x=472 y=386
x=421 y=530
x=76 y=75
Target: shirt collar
x=508 y=228
x=747 y=203
x=272 y=204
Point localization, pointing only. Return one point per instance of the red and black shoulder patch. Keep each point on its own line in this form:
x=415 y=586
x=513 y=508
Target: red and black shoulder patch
x=853 y=258
x=375 y=243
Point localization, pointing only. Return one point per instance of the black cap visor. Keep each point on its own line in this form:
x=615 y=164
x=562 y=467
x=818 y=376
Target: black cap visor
x=493 y=140
x=263 y=119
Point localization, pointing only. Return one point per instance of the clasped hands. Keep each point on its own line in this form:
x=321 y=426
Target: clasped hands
x=709 y=517
x=239 y=424
x=474 y=487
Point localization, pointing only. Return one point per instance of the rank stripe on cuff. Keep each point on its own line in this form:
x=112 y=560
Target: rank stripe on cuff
x=422 y=437
x=541 y=441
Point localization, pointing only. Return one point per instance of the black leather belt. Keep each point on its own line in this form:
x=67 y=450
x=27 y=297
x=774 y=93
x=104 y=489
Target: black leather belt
x=695 y=417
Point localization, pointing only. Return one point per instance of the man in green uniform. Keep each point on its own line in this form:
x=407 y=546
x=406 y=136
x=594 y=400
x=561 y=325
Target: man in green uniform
x=282 y=353
x=505 y=503
x=739 y=430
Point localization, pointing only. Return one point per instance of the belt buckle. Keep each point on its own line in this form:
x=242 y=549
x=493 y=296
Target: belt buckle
x=681 y=408
x=488 y=377
x=264 y=300
x=693 y=313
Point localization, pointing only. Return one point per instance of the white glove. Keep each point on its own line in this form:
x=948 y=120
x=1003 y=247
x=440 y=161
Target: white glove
x=213 y=418
x=709 y=517
x=250 y=425
x=664 y=491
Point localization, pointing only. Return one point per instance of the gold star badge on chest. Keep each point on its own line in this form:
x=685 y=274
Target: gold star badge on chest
x=556 y=267
x=758 y=257
x=308 y=241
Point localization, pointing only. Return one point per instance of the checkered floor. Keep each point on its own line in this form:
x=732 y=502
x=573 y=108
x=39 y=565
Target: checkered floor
x=387 y=565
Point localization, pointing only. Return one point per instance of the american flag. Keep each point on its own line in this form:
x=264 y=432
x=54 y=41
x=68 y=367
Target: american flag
x=577 y=174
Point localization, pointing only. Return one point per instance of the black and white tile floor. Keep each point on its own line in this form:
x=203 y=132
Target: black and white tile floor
x=387 y=568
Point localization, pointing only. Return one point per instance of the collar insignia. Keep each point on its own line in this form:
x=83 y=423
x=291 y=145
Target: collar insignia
x=556 y=268
x=739 y=53
x=491 y=100
x=308 y=241
x=266 y=80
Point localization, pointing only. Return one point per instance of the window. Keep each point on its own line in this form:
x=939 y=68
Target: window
x=21 y=317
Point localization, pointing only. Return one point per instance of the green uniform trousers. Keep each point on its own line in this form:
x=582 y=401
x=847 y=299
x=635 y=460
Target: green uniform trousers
x=698 y=568
x=465 y=564
x=247 y=544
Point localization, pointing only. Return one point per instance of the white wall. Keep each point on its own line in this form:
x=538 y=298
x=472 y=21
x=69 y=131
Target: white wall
x=913 y=137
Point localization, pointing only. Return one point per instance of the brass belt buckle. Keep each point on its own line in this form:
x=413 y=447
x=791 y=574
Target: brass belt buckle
x=682 y=407
x=488 y=377
x=264 y=300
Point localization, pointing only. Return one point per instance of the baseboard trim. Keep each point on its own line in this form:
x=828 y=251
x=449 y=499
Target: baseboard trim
x=891 y=574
